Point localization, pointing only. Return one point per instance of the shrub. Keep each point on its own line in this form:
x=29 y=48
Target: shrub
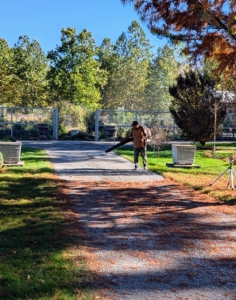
x=207 y=154
x=8 y=138
x=122 y=132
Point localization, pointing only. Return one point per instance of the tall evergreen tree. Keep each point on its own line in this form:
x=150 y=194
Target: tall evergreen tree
x=194 y=99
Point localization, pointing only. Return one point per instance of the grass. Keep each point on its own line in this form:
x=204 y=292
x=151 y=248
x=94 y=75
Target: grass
x=196 y=178
x=38 y=258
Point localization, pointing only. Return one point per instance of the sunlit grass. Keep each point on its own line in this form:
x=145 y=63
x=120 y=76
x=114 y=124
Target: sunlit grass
x=197 y=178
x=35 y=252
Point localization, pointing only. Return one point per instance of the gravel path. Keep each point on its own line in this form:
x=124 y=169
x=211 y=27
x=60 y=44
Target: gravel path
x=87 y=161
x=146 y=237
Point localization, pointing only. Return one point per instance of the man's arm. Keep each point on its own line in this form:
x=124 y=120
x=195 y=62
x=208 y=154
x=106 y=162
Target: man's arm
x=145 y=135
x=130 y=135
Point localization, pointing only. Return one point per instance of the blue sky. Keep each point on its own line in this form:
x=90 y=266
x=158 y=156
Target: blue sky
x=43 y=20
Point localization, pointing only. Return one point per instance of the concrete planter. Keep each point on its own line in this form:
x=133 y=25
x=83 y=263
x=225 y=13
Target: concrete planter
x=183 y=154
x=11 y=152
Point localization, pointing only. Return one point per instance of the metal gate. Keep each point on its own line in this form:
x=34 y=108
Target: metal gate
x=22 y=122
x=123 y=118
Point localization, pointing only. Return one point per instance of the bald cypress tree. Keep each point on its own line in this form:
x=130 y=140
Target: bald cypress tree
x=207 y=28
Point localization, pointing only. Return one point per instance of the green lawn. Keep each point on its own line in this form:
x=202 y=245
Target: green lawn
x=196 y=178
x=38 y=259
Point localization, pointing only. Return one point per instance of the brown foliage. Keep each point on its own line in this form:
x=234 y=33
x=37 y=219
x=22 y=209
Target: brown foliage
x=207 y=27
x=159 y=136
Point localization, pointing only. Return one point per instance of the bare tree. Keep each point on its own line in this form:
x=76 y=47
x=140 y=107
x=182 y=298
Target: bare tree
x=225 y=98
x=214 y=109
x=159 y=136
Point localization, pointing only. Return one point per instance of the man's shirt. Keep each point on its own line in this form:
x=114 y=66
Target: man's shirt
x=137 y=135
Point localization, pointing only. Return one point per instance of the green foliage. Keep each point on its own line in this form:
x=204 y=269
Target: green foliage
x=122 y=132
x=8 y=83
x=26 y=131
x=127 y=65
x=23 y=73
x=8 y=138
x=30 y=69
x=72 y=116
x=90 y=122
x=79 y=76
x=90 y=125
x=75 y=76
x=4 y=130
x=62 y=129
x=193 y=104
x=80 y=136
x=163 y=70
x=137 y=79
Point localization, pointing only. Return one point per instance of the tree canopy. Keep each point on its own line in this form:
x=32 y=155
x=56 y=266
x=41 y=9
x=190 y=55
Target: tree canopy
x=163 y=70
x=138 y=78
x=75 y=75
x=207 y=27
x=193 y=104
x=23 y=71
x=8 y=83
x=30 y=68
x=127 y=64
x=77 y=72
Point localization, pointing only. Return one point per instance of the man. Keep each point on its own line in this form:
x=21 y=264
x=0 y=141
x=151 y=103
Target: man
x=139 y=139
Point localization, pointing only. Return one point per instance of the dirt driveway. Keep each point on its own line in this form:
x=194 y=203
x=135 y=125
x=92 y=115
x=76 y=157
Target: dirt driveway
x=146 y=237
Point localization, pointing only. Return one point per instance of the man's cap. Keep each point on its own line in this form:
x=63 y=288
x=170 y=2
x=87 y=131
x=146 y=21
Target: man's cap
x=134 y=123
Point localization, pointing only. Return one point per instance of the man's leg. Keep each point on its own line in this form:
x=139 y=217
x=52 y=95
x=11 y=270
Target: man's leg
x=136 y=154
x=144 y=156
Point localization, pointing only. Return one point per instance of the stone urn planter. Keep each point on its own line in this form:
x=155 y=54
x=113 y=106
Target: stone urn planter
x=11 y=152
x=43 y=131
x=183 y=154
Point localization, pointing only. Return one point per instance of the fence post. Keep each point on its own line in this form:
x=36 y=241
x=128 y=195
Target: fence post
x=173 y=130
x=11 y=121
x=55 y=124
x=96 y=124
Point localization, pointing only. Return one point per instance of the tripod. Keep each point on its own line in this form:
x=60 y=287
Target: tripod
x=231 y=174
